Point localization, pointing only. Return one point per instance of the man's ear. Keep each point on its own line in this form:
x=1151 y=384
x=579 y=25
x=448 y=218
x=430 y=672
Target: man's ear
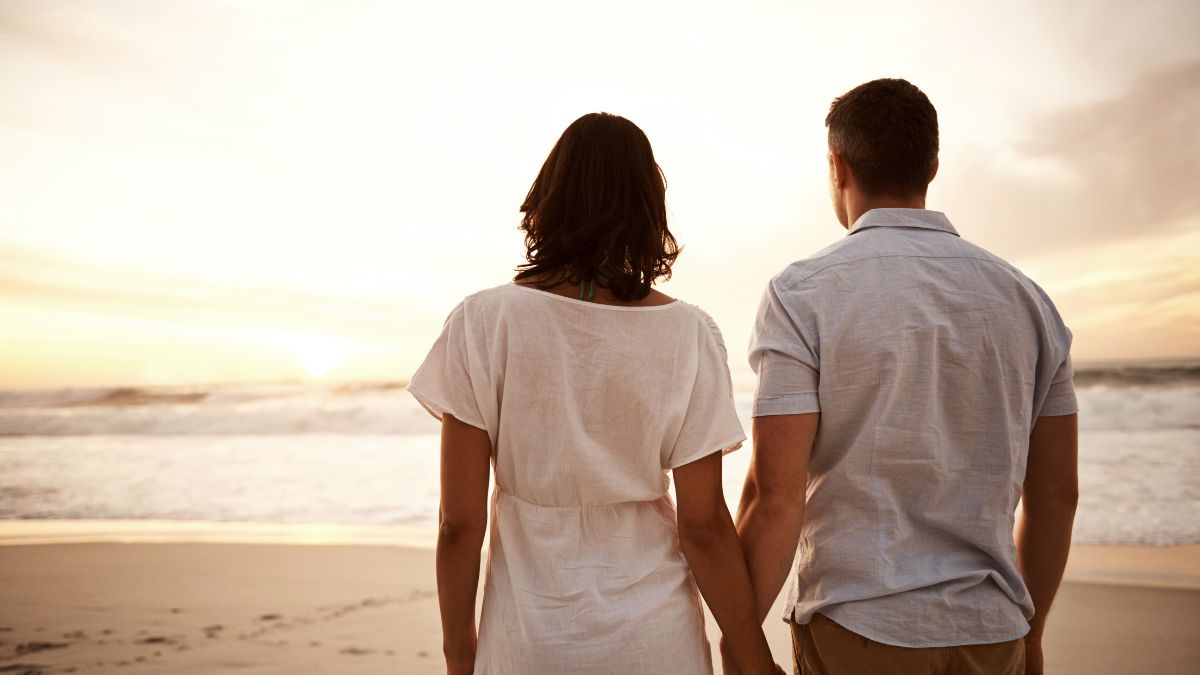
x=933 y=173
x=840 y=170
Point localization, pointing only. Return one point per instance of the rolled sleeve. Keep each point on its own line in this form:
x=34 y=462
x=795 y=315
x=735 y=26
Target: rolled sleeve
x=794 y=404
x=1060 y=397
x=784 y=353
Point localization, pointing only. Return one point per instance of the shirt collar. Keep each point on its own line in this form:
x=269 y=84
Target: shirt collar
x=918 y=218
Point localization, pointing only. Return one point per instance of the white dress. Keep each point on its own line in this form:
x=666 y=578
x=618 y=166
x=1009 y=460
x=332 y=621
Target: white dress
x=587 y=406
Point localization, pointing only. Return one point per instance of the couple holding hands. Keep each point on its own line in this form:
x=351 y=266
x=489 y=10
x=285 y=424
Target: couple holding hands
x=912 y=389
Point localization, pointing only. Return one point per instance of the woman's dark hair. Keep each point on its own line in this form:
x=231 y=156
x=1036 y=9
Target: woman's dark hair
x=887 y=131
x=597 y=211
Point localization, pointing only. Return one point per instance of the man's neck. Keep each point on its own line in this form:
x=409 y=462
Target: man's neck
x=858 y=205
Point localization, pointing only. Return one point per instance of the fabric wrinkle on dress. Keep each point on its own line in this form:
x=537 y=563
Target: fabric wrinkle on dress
x=588 y=406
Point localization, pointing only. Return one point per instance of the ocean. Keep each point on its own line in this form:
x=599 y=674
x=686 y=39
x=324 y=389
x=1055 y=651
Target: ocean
x=367 y=455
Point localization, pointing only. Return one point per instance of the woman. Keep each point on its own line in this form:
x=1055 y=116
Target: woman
x=583 y=386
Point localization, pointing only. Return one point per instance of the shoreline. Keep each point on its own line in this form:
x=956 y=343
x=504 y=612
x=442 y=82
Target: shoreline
x=1142 y=565
x=31 y=532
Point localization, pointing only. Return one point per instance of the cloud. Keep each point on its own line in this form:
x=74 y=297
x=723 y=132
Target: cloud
x=68 y=34
x=1117 y=168
x=1139 y=154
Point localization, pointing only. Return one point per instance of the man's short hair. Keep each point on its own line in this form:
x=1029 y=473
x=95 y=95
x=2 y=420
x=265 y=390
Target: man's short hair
x=887 y=132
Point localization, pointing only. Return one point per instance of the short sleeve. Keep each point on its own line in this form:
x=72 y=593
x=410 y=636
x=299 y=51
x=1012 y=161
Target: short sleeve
x=1060 y=398
x=1060 y=393
x=443 y=382
x=711 y=422
x=784 y=354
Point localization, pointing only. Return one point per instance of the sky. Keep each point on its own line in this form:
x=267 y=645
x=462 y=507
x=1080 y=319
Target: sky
x=239 y=190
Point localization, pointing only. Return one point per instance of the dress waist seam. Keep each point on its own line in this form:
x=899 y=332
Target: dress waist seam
x=498 y=491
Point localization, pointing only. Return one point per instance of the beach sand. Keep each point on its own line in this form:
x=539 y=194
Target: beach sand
x=271 y=608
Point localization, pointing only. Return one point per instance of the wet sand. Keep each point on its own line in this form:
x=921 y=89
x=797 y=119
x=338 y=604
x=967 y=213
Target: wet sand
x=271 y=608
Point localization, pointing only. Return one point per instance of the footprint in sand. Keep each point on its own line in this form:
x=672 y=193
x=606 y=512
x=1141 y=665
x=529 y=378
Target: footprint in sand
x=34 y=647
x=356 y=651
x=22 y=668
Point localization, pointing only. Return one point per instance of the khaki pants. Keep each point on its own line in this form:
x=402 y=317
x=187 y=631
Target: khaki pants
x=822 y=647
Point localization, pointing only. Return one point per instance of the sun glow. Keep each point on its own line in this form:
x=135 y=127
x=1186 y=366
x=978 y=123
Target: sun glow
x=310 y=200
x=318 y=355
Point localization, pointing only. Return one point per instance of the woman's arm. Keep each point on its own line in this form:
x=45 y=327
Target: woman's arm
x=466 y=457
x=710 y=544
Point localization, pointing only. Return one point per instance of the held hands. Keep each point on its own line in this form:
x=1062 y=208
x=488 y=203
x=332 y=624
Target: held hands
x=730 y=667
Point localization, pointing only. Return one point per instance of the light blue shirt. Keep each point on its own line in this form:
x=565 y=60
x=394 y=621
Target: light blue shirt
x=929 y=360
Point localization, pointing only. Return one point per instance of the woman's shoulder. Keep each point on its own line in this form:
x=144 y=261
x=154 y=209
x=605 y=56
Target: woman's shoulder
x=704 y=321
x=479 y=303
x=490 y=297
x=508 y=295
x=696 y=312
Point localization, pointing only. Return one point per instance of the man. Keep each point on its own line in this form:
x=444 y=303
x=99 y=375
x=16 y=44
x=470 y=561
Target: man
x=914 y=387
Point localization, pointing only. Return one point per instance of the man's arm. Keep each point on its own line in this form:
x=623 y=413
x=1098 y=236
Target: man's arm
x=771 y=511
x=466 y=462
x=1048 y=500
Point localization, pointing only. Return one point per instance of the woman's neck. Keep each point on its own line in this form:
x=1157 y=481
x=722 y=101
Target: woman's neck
x=601 y=295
